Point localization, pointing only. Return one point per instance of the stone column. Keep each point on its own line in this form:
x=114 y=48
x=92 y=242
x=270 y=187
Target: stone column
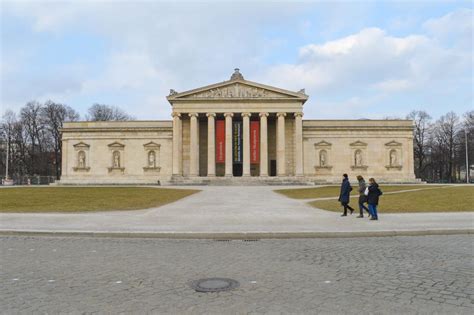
x=228 y=144
x=281 y=160
x=211 y=145
x=246 y=142
x=194 y=145
x=298 y=144
x=263 y=145
x=177 y=143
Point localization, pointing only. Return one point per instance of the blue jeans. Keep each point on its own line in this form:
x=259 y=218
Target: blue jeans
x=373 y=211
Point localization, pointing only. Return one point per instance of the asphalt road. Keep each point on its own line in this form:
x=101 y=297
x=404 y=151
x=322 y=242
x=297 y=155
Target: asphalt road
x=393 y=275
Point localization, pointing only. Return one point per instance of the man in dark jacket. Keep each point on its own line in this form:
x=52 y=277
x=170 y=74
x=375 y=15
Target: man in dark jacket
x=344 y=196
x=373 y=198
x=362 y=196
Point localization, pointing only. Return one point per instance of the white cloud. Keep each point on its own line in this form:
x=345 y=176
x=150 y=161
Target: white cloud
x=155 y=46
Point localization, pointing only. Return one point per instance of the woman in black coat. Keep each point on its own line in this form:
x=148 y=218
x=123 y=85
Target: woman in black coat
x=373 y=198
x=345 y=194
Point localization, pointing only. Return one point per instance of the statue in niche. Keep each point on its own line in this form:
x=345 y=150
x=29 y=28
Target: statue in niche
x=116 y=160
x=358 y=158
x=393 y=158
x=82 y=159
x=322 y=158
x=152 y=159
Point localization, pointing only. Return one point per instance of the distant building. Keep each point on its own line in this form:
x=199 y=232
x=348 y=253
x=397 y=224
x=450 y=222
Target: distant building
x=236 y=131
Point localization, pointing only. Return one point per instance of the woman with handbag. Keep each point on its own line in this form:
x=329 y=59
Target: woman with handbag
x=373 y=194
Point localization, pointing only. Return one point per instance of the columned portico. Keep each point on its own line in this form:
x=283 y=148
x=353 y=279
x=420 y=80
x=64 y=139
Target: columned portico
x=253 y=130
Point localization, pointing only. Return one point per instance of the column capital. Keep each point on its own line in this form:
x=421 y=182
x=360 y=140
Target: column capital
x=193 y=114
x=175 y=114
x=246 y=114
x=263 y=114
x=210 y=114
x=228 y=114
x=298 y=114
x=281 y=114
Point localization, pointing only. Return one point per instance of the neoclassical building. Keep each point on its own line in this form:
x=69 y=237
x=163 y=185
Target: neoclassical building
x=236 y=131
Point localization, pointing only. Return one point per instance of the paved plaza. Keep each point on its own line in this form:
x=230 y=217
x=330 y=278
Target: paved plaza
x=389 y=275
x=235 y=210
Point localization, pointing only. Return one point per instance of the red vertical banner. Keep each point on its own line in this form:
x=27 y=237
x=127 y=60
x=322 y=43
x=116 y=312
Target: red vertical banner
x=254 y=142
x=220 y=141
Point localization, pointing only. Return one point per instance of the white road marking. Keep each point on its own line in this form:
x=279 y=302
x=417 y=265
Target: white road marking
x=118 y=282
x=15 y=279
x=327 y=281
x=253 y=281
x=51 y=280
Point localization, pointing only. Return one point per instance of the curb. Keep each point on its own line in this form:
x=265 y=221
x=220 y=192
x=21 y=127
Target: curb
x=237 y=235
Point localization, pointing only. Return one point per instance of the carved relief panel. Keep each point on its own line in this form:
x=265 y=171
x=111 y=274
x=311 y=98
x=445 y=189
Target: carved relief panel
x=359 y=155
x=152 y=157
x=81 y=151
x=237 y=91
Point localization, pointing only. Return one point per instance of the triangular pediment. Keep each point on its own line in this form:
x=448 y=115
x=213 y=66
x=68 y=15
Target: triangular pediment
x=237 y=90
x=151 y=145
x=81 y=145
x=358 y=143
x=393 y=143
x=322 y=144
x=116 y=145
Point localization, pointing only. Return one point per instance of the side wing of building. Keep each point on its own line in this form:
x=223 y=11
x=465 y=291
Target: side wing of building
x=382 y=149
x=131 y=152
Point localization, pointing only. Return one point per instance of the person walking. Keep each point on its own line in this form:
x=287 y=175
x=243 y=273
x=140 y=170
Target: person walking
x=362 y=196
x=373 y=194
x=344 y=196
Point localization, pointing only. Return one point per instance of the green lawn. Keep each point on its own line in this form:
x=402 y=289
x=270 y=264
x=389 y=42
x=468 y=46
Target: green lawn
x=333 y=191
x=450 y=199
x=76 y=199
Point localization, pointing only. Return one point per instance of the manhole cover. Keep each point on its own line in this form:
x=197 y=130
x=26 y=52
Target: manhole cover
x=214 y=285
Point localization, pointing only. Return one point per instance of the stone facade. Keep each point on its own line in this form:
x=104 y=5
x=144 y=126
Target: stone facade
x=184 y=149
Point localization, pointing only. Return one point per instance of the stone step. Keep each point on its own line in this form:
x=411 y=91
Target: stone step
x=237 y=181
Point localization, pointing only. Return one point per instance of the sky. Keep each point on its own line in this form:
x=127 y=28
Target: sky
x=356 y=59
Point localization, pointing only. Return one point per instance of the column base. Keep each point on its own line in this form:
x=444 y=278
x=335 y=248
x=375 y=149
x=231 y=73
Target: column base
x=211 y=175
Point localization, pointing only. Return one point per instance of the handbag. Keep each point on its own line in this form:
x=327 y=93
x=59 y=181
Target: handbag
x=366 y=192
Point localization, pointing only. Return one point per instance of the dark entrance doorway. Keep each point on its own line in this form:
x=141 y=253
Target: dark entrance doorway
x=237 y=170
x=273 y=168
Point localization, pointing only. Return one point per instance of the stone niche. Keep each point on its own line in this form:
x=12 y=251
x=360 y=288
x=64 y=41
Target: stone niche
x=152 y=157
x=323 y=157
x=393 y=154
x=81 y=152
x=359 y=156
x=117 y=162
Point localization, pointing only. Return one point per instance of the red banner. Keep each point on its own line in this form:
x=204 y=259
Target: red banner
x=254 y=142
x=220 y=141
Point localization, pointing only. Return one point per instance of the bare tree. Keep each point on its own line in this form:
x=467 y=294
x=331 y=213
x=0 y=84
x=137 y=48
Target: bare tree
x=445 y=136
x=31 y=119
x=421 y=120
x=102 y=112
x=53 y=116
